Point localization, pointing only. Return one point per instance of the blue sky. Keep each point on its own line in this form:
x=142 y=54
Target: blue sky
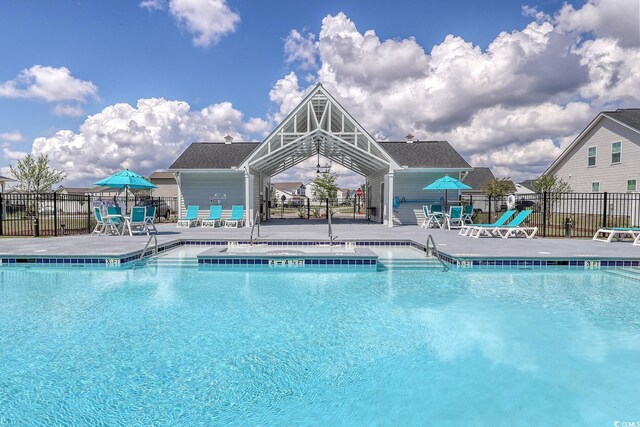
x=99 y=54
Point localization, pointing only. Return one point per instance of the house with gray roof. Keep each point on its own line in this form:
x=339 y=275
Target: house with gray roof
x=231 y=173
x=604 y=156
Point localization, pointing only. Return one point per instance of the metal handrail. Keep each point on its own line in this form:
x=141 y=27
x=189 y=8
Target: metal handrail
x=433 y=250
x=330 y=230
x=144 y=251
x=256 y=220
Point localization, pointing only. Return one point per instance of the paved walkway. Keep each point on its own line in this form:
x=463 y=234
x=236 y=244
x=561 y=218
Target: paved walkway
x=448 y=241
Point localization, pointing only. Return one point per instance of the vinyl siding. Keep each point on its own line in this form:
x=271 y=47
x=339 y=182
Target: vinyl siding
x=612 y=177
x=408 y=186
x=197 y=188
x=167 y=187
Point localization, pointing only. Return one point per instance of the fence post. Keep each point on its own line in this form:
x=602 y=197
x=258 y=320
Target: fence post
x=89 y=214
x=55 y=214
x=604 y=211
x=354 y=206
x=327 y=205
x=308 y=208
x=544 y=214
x=2 y=209
x=489 y=211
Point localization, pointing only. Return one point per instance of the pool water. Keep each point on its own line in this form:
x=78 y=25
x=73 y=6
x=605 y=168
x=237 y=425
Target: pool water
x=185 y=347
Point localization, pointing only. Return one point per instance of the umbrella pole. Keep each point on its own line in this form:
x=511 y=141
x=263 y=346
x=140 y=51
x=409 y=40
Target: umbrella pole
x=126 y=200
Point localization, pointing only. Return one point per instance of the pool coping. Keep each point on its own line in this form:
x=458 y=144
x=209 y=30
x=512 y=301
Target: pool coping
x=128 y=259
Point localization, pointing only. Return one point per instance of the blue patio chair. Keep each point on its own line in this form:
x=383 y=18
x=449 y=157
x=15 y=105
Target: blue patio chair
x=150 y=217
x=237 y=217
x=191 y=218
x=469 y=229
x=115 y=215
x=103 y=224
x=467 y=214
x=431 y=218
x=513 y=228
x=454 y=219
x=215 y=216
x=137 y=222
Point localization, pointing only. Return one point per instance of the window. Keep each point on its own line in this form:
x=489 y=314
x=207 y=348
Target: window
x=591 y=156
x=595 y=187
x=632 y=185
x=616 y=151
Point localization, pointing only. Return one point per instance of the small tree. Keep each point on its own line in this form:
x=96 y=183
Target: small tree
x=551 y=184
x=496 y=189
x=554 y=187
x=35 y=175
x=325 y=186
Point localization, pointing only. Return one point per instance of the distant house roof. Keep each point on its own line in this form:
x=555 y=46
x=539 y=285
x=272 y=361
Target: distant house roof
x=162 y=175
x=287 y=186
x=424 y=154
x=76 y=190
x=214 y=155
x=628 y=116
x=528 y=183
x=478 y=178
x=100 y=189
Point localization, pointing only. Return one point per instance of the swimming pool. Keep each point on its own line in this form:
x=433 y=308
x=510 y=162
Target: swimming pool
x=185 y=347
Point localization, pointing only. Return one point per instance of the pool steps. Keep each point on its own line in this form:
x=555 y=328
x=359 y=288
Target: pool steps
x=627 y=273
x=409 y=264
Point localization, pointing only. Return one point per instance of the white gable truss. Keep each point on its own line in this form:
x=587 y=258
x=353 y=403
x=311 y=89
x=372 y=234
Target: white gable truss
x=319 y=123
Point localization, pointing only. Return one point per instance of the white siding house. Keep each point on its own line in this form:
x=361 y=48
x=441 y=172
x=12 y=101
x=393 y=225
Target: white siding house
x=605 y=156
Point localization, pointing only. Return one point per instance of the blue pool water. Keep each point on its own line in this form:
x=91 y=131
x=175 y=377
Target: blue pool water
x=161 y=346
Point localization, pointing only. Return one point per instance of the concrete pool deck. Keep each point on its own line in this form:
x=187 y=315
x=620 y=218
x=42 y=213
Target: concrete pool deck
x=448 y=241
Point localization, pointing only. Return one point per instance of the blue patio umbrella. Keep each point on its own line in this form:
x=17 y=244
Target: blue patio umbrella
x=447 y=183
x=125 y=179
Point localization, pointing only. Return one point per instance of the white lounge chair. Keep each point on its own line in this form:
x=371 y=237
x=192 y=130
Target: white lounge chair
x=608 y=234
x=237 y=217
x=103 y=224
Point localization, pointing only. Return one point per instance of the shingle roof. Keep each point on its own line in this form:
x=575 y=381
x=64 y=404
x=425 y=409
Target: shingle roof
x=628 y=116
x=528 y=183
x=419 y=154
x=425 y=154
x=76 y=190
x=286 y=186
x=478 y=178
x=213 y=155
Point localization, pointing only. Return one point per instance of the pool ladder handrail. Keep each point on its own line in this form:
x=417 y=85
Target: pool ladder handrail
x=144 y=251
x=432 y=249
x=331 y=236
x=256 y=220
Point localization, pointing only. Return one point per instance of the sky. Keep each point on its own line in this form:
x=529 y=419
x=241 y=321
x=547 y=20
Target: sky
x=101 y=86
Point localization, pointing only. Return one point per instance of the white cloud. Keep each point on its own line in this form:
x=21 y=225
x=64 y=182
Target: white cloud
x=301 y=49
x=287 y=94
x=151 y=5
x=144 y=138
x=614 y=19
x=54 y=85
x=15 y=136
x=10 y=154
x=50 y=84
x=68 y=110
x=207 y=20
x=542 y=83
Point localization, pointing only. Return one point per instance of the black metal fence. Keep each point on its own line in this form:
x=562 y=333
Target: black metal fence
x=306 y=208
x=567 y=214
x=54 y=214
